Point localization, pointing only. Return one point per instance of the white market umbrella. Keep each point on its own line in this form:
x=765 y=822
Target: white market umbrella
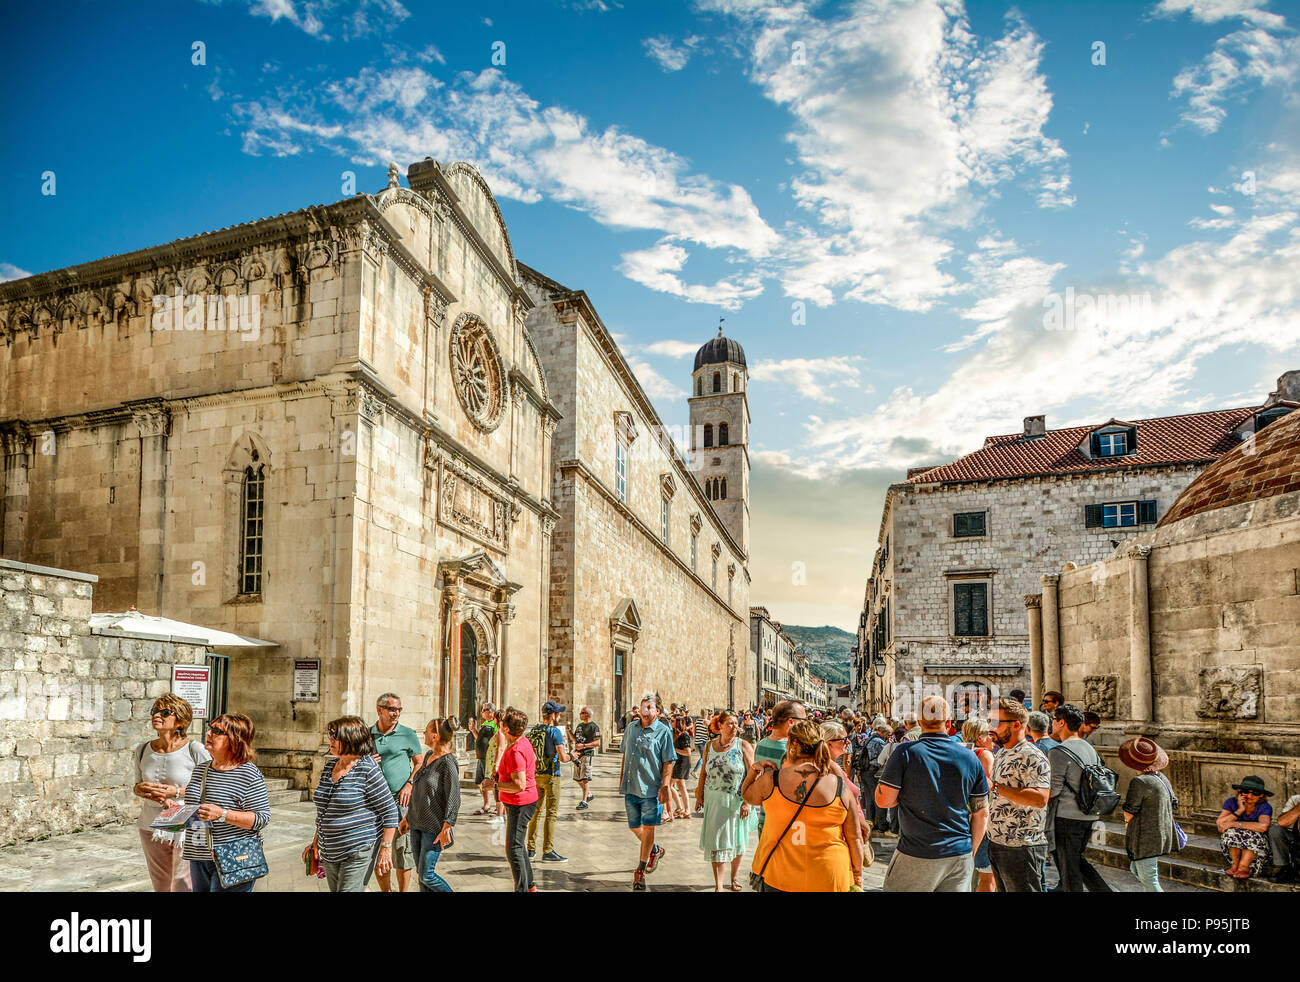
x=134 y=622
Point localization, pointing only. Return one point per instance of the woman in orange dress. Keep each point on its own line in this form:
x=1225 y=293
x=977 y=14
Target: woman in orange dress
x=811 y=842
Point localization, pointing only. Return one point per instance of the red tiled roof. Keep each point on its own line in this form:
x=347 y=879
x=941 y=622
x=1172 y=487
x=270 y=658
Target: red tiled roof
x=1194 y=438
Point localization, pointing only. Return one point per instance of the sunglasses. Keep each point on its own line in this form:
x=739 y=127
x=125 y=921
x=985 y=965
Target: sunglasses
x=164 y=713
x=332 y=733
x=391 y=709
x=217 y=731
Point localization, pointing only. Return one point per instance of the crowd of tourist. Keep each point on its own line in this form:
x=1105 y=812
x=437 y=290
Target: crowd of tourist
x=1009 y=803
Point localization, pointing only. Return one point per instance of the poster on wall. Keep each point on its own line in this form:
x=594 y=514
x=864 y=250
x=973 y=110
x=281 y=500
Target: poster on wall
x=306 y=680
x=190 y=682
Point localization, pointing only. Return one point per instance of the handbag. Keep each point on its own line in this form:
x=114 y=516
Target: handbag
x=1179 y=834
x=756 y=879
x=238 y=861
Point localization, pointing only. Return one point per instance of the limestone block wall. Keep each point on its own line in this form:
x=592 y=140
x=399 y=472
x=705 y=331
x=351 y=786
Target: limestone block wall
x=1033 y=526
x=1224 y=610
x=73 y=704
x=681 y=650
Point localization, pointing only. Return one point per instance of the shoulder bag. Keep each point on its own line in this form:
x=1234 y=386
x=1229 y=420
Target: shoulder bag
x=756 y=879
x=239 y=860
x=1179 y=834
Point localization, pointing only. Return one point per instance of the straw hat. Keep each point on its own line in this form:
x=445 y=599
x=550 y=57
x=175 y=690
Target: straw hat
x=1143 y=754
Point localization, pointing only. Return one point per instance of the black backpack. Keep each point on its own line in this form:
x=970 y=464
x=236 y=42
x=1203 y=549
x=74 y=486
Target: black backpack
x=1096 y=791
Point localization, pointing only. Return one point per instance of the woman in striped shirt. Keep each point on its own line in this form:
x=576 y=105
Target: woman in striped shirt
x=356 y=817
x=435 y=803
x=233 y=796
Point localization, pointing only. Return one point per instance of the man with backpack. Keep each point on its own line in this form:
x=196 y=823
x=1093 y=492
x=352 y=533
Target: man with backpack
x=1083 y=790
x=551 y=748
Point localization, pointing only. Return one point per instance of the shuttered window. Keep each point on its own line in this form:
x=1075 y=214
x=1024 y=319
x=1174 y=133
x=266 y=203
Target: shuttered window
x=968 y=523
x=971 y=609
x=1120 y=514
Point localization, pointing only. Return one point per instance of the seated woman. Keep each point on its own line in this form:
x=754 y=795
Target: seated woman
x=1243 y=825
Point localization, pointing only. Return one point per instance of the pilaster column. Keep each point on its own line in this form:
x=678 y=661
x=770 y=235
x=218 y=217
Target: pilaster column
x=153 y=422
x=1034 y=607
x=1051 y=632
x=1139 y=635
x=452 y=666
x=505 y=614
x=17 y=443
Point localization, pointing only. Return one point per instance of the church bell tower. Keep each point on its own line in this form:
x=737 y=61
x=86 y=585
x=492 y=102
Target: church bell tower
x=720 y=432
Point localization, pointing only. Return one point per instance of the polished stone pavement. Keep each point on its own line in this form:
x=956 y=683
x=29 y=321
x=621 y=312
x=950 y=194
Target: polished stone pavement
x=602 y=852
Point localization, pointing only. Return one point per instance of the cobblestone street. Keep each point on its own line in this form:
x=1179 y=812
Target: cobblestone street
x=601 y=852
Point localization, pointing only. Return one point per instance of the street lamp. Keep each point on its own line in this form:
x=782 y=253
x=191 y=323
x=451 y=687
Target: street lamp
x=879 y=666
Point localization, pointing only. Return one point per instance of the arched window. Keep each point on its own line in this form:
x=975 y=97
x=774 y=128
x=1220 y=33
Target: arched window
x=717 y=381
x=708 y=434
x=699 y=386
x=250 y=557
x=722 y=434
x=723 y=493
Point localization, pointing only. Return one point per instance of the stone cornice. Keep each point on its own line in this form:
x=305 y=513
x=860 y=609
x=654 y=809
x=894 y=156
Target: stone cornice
x=518 y=378
x=577 y=466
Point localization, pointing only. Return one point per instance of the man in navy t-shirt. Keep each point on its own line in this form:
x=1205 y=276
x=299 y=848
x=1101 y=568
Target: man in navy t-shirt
x=941 y=793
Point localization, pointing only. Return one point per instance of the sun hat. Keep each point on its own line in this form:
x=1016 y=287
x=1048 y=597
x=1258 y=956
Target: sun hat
x=1143 y=754
x=1254 y=783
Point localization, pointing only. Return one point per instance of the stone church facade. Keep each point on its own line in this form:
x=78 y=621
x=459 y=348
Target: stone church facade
x=650 y=577
x=343 y=445
x=332 y=429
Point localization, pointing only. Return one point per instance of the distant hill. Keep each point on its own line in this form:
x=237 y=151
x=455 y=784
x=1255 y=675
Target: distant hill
x=827 y=649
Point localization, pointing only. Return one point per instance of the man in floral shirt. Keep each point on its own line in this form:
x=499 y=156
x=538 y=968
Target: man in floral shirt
x=1022 y=783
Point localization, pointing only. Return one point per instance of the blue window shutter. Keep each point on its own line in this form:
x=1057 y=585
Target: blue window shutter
x=960 y=524
x=1146 y=512
x=1092 y=516
x=1132 y=439
x=1094 y=444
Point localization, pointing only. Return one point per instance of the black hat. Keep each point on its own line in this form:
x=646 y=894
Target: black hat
x=1252 y=783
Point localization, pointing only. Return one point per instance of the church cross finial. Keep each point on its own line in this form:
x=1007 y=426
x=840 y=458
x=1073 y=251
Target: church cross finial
x=721 y=321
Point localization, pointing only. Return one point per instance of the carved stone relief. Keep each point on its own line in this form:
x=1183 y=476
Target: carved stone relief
x=1230 y=692
x=1099 y=693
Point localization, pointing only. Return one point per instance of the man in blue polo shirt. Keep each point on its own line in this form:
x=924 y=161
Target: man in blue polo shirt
x=942 y=795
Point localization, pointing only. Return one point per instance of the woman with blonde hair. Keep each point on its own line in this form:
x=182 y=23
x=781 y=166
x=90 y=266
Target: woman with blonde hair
x=826 y=855
x=163 y=767
x=976 y=735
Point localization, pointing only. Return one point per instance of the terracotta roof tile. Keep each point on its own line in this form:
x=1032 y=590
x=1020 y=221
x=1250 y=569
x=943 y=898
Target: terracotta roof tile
x=1193 y=438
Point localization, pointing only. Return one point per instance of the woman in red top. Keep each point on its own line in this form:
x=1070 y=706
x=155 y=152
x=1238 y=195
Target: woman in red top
x=517 y=788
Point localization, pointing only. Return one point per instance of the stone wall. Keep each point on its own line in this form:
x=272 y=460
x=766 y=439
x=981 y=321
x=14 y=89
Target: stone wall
x=1033 y=526
x=73 y=704
x=1223 y=607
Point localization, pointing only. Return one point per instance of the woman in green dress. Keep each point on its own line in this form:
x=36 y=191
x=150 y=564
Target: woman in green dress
x=727 y=759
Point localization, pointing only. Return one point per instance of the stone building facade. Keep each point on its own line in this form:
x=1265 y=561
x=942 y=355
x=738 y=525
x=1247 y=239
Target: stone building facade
x=342 y=443
x=1190 y=632
x=73 y=701
x=961 y=545
x=649 y=587
x=775 y=657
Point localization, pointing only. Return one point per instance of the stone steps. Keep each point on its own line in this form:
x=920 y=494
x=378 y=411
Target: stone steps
x=280 y=792
x=1200 y=864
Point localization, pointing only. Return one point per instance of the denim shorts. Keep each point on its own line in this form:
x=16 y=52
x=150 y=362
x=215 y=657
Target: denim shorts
x=642 y=811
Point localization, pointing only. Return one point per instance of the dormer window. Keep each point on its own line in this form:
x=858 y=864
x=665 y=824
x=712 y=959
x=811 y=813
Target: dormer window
x=1112 y=444
x=1270 y=416
x=1113 y=441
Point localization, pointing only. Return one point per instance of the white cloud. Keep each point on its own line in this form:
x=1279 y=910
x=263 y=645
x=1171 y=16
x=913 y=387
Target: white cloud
x=1264 y=53
x=901 y=116
x=655 y=385
x=348 y=19
x=669 y=348
x=670 y=56
x=8 y=271
x=810 y=377
x=657 y=267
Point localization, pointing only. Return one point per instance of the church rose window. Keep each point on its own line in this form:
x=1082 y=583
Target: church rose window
x=477 y=372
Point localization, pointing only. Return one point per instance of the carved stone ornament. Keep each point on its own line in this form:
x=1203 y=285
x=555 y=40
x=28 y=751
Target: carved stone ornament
x=1099 y=693
x=1033 y=600
x=478 y=372
x=468 y=505
x=1230 y=692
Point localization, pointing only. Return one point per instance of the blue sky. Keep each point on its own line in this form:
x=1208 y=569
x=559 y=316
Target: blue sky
x=879 y=197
